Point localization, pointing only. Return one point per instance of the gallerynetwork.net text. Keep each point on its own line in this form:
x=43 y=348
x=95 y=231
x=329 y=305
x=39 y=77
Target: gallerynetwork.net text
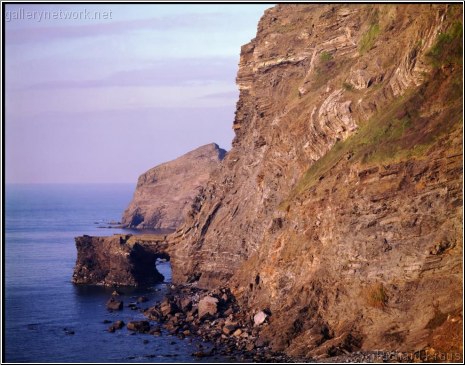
x=41 y=15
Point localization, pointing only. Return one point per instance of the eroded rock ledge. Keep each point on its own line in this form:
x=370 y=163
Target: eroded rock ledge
x=119 y=260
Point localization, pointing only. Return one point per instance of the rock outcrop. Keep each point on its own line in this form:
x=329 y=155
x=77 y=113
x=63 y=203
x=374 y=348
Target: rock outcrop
x=119 y=260
x=339 y=207
x=166 y=192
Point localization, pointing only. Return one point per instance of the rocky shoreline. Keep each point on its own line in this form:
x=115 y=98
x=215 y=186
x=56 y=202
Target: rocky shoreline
x=212 y=316
x=216 y=318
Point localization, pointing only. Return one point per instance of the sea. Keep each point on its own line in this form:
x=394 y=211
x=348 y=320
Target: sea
x=49 y=319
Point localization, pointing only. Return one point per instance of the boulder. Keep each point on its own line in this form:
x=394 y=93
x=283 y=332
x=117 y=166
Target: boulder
x=250 y=346
x=208 y=305
x=229 y=329
x=142 y=299
x=139 y=326
x=114 y=305
x=116 y=326
x=155 y=331
x=185 y=304
x=167 y=308
x=189 y=318
x=228 y=312
x=259 y=318
x=237 y=332
x=68 y=331
x=154 y=313
x=261 y=342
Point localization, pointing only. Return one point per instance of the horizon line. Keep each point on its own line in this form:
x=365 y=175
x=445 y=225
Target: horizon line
x=68 y=183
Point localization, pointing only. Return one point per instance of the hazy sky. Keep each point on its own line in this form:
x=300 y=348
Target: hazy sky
x=91 y=100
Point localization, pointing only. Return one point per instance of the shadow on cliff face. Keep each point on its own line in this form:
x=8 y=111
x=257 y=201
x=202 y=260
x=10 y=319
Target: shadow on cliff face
x=144 y=270
x=137 y=219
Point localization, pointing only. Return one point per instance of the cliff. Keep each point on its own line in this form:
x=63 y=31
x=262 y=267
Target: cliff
x=339 y=207
x=166 y=192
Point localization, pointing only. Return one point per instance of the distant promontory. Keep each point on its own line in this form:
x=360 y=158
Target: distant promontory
x=166 y=192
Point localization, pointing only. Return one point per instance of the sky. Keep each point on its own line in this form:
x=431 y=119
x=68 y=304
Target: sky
x=101 y=93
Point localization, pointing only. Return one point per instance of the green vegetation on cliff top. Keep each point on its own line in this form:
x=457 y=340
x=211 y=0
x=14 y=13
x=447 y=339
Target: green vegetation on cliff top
x=399 y=132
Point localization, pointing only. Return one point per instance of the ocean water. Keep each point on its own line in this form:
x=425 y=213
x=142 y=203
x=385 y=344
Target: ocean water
x=47 y=318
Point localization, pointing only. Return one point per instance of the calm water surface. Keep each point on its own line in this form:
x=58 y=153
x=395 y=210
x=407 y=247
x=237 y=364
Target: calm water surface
x=43 y=307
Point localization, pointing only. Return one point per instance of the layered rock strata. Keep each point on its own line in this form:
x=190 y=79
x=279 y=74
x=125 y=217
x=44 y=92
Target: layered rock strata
x=339 y=207
x=165 y=193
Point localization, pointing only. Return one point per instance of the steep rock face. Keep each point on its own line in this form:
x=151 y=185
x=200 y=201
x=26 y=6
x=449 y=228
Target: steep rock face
x=119 y=260
x=339 y=206
x=165 y=193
